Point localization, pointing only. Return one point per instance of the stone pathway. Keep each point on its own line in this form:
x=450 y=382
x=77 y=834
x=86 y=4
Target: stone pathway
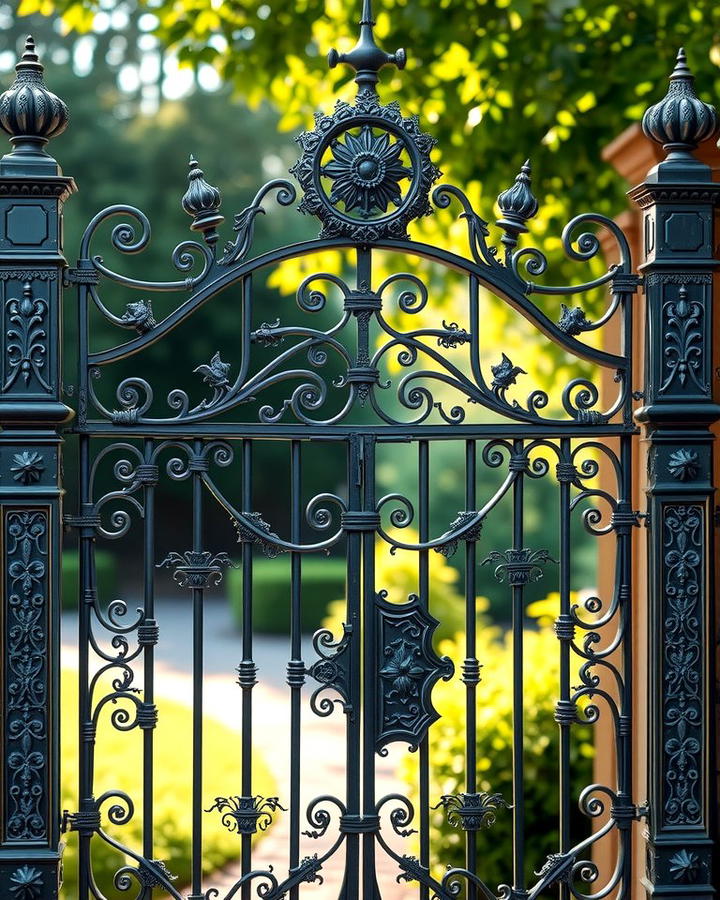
x=323 y=739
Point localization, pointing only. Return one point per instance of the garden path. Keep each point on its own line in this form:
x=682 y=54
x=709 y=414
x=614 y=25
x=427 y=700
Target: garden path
x=323 y=739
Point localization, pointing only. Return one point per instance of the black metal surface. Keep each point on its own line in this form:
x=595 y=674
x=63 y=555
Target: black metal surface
x=364 y=382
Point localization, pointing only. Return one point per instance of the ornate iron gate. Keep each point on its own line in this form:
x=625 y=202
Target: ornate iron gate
x=366 y=381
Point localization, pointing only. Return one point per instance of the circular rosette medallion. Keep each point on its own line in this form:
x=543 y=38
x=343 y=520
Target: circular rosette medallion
x=365 y=171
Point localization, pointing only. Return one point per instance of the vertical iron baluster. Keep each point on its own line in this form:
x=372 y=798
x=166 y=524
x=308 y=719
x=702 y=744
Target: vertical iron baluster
x=148 y=654
x=625 y=810
x=424 y=594
x=353 y=749
x=197 y=741
x=370 y=669
x=565 y=713
x=518 y=620
x=86 y=737
x=247 y=669
x=296 y=668
x=470 y=667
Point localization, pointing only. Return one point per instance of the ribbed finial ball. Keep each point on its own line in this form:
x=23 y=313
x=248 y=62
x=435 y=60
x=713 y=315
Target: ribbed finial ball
x=518 y=203
x=27 y=108
x=202 y=202
x=680 y=121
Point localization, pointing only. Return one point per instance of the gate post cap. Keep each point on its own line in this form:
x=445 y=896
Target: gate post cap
x=680 y=121
x=30 y=113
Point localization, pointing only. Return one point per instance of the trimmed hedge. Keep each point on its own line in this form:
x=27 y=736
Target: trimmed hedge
x=494 y=752
x=105 y=573
x=323 y=580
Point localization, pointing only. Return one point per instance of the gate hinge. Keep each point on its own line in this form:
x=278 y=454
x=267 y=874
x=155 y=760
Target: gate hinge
x=81 y=275
x=642 y=812
x=84 y=822
x=645 y=518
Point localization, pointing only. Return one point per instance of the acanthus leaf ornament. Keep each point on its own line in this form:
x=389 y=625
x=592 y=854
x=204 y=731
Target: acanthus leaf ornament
x=519 y=566
x=246 y=815
x=139 y=315
x=196 y=568
x=573 y=320
x=684 y=353
x=26 y=339
x=472 y=812
x=215 y=373
x=504 y=375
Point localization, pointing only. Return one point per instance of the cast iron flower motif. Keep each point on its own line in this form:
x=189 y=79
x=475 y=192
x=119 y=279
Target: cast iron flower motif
x=684 y=865
x=27 y=467
x=26 y=883
x=366 y=171
x=402 y=668
x=683 y=464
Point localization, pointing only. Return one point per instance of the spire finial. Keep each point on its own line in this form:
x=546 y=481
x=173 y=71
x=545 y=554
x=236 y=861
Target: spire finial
x=366 y=57
x=202 y=202
x=517 y=204
x=680 y=121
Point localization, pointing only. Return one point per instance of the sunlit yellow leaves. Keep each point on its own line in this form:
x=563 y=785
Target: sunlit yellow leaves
x=454 y=63
x=586 y=102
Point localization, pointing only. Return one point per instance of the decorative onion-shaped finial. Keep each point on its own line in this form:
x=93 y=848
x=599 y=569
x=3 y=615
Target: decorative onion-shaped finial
x=517 y=205
x=680 y=121
x=29 y=112
x=366 y=57
x=202 y=202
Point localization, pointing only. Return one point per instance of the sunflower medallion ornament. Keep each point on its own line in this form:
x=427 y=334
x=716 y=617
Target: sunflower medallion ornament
x=365 y=170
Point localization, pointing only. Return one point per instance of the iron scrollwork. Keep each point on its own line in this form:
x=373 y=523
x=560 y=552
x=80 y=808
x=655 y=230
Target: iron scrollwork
x=683 y=559
x=26 y=736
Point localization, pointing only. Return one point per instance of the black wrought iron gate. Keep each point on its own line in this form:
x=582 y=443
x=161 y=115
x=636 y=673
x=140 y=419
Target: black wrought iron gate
x=351 y=369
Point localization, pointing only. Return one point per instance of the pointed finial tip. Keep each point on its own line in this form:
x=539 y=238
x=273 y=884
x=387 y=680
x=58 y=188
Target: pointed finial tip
x=681 y=69
x=29 y=53
x=526 y=165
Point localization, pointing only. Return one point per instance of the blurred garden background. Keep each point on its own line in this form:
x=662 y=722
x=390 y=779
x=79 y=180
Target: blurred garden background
x=149 y=83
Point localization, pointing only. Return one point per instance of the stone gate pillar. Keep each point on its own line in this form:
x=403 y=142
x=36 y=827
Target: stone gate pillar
x=32 y=191
x=678 y=200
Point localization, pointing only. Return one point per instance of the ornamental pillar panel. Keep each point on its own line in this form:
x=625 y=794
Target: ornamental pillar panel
x=32 y=191
x=678 y=200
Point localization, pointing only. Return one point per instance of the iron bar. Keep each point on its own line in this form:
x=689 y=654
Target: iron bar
x=423 y=449
x=247 y=677
x=470 y=669
x=564 y=721
x=197 y=670
x=296 y=683
x=518 y=623
x=148 y=653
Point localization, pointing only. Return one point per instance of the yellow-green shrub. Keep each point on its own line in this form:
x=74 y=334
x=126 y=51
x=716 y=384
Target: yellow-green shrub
x=118 y=766
x=494 y=751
